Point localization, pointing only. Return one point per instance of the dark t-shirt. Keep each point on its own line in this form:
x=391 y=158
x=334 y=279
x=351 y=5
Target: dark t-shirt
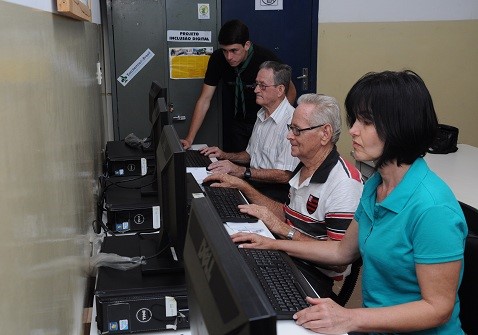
x=218 y=68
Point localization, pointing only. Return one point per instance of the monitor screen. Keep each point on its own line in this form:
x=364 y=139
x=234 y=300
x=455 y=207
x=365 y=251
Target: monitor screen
x=172 y=193
x=224 y=297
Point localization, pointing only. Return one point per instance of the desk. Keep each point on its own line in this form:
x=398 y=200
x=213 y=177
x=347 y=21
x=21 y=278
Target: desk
x=457 y=169
x=284 y=327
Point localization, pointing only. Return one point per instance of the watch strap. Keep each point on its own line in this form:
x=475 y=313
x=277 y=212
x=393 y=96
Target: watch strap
x=247 y=173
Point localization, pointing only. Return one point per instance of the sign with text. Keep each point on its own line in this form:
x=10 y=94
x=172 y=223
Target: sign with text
x=189 y=36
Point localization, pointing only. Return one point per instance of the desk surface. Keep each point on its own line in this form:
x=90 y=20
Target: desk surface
x=457 y=169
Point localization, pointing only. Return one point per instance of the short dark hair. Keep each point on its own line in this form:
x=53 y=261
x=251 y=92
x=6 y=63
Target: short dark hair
x=400 y=107
x=282 y=72
x=233 y=32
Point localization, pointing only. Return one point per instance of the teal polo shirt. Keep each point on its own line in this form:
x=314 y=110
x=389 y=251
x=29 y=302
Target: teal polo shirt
x=419 y=222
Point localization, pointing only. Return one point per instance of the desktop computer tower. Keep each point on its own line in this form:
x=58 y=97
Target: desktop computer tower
x=124 y=160
x=130 y=301
x=131 y=204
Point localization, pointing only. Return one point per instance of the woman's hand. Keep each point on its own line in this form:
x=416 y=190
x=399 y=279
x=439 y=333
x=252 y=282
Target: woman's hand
x=324 y=316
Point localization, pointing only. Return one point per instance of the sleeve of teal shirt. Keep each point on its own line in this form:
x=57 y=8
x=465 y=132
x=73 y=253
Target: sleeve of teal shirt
x=439 y=236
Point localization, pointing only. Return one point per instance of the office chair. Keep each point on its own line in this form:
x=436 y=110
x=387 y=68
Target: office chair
x=468 y=291
x=349 y=283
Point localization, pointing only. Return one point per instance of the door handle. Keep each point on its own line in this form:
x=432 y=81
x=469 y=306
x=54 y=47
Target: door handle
x=305 y=78
x=179 y=118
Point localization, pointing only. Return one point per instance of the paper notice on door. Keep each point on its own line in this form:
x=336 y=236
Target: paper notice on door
x=188 y=63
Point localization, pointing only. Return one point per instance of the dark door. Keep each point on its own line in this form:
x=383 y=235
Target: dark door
x=291 y=33
x=137 y=26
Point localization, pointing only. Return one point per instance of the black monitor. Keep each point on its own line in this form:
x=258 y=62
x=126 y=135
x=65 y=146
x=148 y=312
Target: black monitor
x=224 y=297
x=155 y=92
x=162 y=118
x=167 y=247
x=158 y=115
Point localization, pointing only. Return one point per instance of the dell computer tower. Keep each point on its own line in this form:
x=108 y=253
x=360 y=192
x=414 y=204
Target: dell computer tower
x=130 y=301
x=131 y=204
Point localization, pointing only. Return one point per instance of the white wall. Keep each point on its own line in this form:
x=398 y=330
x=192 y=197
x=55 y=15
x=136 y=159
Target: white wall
x=396 y=11
x=50 y=6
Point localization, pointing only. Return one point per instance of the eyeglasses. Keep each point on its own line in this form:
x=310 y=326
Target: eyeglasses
x=296 y=131
x=262 y=87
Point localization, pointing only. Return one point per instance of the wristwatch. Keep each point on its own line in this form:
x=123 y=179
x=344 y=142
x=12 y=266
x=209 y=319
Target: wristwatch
x=247 y=173
x=290 y=234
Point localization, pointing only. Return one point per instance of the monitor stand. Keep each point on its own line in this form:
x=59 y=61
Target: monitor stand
x=164 y=262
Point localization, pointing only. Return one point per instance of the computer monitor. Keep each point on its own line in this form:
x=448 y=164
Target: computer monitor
x=158 y=115
x=168 y=247
x=224 y=297
x=162 y=118
x=155 y=91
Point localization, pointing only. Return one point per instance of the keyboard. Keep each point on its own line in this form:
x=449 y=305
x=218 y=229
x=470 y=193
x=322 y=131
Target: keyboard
x=195 y=159
x=284 y=284
x=226 y=200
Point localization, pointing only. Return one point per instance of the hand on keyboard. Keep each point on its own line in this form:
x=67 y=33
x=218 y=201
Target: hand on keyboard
x=225 y=180
x=253 y=241
x=212 y=152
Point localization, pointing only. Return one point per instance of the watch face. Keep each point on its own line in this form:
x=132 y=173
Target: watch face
x=247 y=173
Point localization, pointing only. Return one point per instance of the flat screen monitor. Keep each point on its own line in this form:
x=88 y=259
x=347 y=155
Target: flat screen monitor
x=224 y=297
x=155 y=92
x=158 y=115
x=168 y=247
x=162 y=118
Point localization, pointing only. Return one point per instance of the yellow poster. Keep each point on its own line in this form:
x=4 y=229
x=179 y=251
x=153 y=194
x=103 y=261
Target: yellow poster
x=188 y=63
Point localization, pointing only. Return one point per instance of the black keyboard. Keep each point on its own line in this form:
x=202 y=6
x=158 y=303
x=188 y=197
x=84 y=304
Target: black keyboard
x=280 y=278
x=195 y=159
x=226 y=200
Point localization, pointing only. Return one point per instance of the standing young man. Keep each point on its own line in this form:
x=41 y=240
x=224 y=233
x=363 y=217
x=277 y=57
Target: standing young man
x=236 y=64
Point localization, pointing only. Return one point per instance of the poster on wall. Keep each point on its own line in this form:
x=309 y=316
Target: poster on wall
x=269 y=4
x=188 y=63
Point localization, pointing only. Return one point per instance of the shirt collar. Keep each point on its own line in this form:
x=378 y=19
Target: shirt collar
x=322 y=173
x=400 y=196
x=276 y=115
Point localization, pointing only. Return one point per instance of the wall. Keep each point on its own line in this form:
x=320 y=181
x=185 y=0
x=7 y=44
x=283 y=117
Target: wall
x=435 y=38
x=51 y=128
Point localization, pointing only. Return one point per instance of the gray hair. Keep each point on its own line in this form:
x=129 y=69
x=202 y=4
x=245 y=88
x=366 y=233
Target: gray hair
x=282 y=72
x=326 y=110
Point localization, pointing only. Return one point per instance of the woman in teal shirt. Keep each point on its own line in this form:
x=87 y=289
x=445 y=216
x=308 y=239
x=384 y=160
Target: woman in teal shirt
x=409 y=228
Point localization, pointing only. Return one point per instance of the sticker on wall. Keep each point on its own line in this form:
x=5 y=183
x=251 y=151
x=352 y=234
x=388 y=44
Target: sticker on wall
x=203 y=11
x=189 y=36
x=133 y=70
x=188 y=63
x=269 y=4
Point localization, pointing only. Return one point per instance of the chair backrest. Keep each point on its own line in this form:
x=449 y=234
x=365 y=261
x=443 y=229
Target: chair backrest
x=349 y=283
x=468 y=291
